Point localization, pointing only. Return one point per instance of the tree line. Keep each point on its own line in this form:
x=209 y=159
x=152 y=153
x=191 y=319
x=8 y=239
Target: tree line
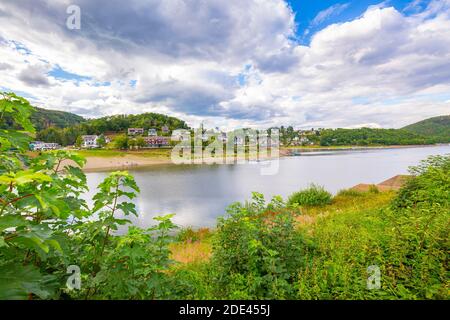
x=113 y=124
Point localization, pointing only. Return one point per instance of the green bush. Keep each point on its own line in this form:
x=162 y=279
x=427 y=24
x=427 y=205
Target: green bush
x=313 y=196
x=188 y=234
x=256 y=253
x=419 y=216
x=407 y=240
x=350 y=193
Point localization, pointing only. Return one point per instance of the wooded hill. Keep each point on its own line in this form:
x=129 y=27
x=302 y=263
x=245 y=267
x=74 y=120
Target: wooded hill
x=437 y=126
x=43 y=118
x=112 y=124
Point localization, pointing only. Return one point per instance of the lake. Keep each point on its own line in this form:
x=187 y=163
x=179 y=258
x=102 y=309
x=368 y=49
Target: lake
x=198 y=194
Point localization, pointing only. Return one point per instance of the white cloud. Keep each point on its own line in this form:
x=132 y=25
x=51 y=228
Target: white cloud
x=334 y=10
x=227 y=65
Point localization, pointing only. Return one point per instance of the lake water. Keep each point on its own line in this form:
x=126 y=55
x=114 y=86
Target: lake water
x=198 y=194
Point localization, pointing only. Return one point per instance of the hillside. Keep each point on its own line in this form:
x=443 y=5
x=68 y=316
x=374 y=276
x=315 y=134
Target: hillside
x=120 y=123
x=369 y=136
x=43 y=118
x=437 y=126
x=112 y=124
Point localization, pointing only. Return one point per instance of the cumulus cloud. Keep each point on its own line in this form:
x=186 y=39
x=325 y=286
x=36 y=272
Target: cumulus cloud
x=5 y=66
x=229 y=63
x=34 y=76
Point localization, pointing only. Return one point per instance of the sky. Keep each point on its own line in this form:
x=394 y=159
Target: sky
x=234 y=63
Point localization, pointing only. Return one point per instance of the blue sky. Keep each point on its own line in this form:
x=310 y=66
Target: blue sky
x=306 y=63
x=307 y=10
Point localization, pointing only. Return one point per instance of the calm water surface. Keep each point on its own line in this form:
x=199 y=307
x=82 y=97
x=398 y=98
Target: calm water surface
x=198 y=194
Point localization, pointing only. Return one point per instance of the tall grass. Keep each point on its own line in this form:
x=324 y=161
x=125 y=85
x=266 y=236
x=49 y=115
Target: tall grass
x=312 y=196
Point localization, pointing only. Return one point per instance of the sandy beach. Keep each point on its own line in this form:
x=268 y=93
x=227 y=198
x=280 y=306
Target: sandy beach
x=121 y=163
x=129 y=161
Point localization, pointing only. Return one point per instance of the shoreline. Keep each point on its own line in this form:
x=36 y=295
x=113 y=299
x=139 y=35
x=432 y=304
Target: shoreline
x=130 y=160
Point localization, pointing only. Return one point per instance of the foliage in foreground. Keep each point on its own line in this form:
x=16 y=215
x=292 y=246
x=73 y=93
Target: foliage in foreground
x=45 y=226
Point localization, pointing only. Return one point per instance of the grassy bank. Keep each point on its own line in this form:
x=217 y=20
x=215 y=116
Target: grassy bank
x=333 y=250
x=196 y=246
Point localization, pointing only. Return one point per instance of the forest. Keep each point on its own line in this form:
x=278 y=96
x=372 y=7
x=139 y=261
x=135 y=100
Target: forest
x=369 y=136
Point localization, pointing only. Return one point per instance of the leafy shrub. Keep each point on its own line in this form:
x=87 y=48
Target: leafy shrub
x=188 y=234
x=256 y=252
x=420 y=215
x=429 y=184
x=407 y=239
x=313 y=196
x=45 y=226
x=373 y=189
x=350 y=193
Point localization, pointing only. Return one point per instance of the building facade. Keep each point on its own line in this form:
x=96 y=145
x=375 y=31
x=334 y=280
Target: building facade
x=156 y=142
x=135 y=131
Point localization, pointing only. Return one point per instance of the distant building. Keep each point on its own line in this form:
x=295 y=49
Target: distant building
x=152 y=133
x=304 y=140
x=238 y=141
x=156 y=142
x=165 y=129
x=89 y=141
x=180 y=134
x=205 y=137
x=266 y=141
x=135 y=131
x=42 y=146
x=223 y=137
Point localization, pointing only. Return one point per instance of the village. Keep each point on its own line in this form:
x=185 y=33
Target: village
x=164 y=138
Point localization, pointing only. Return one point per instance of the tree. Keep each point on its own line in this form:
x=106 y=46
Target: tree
x=101 y=141
x=131 y=143
x=140 y=142
x=79 y=142
x=51 y=134
x=121 y=142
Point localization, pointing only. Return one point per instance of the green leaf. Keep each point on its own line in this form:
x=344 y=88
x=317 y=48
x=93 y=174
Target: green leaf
x=17 y=282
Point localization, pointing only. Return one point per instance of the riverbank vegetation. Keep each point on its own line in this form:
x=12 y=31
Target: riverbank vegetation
x=50 y=238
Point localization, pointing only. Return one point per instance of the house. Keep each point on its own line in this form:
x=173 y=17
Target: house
x=135 y=131
x=156 y=141
x=205 y=137
x=304 y=140
x=180 y=134
x=165 y=129
x=42 y=146
x=223 y=137
x=152 y=132
x=239 y=141
x=266 y=141
x=89 y=141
